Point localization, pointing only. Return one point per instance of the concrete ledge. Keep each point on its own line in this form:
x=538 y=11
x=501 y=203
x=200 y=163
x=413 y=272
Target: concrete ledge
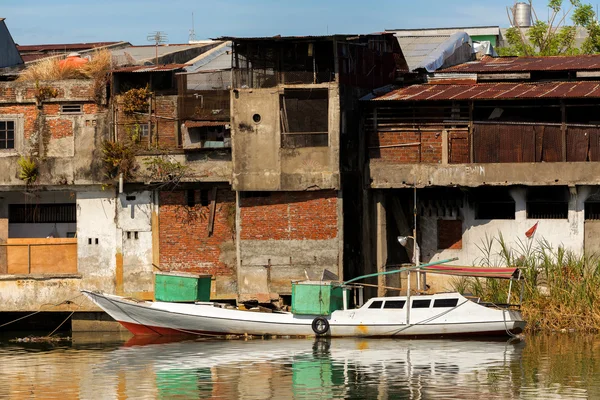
x=392 y=176
x=39 y=277
x=95 y=322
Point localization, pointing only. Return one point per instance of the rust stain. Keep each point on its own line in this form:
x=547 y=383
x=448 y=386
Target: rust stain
x=362 y=329
x=119 y=274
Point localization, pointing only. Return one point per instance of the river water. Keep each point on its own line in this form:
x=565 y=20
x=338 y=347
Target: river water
x=112 y=366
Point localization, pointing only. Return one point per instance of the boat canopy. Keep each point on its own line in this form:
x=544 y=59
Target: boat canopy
x=476 y=272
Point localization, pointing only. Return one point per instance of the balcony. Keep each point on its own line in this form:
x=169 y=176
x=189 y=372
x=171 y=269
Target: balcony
x=484 y=153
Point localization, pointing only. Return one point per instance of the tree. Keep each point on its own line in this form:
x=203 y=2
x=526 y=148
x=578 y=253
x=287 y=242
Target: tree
x=553 y=37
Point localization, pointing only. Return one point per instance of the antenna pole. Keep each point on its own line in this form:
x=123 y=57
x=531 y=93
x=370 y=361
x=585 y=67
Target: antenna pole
x=157 y=37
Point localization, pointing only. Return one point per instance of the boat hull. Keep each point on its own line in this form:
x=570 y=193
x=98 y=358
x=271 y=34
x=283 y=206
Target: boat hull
x=166 y=319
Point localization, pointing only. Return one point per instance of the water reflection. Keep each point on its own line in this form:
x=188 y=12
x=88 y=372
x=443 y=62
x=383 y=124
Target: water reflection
x=544 y=367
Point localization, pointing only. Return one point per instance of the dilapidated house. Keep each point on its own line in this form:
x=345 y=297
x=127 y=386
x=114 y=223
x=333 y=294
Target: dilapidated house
x=296 y=158
x=499 y=147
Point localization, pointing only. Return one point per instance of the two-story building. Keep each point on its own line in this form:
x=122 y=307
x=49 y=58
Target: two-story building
x=499 y=147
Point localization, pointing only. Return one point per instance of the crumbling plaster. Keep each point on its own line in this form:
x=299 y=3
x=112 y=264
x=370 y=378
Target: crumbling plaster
x=259 y=162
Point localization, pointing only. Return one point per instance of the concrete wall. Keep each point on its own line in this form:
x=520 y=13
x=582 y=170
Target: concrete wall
x=259 y=162
x=472 y=175
x=134 y=223
x=285 y=234
x=97 y=239
x=568 y=233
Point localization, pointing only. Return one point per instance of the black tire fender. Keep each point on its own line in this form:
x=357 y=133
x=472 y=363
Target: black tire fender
x=320 y=326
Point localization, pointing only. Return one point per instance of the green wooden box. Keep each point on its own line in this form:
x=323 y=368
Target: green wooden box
x=316 y=297
x=181 y=287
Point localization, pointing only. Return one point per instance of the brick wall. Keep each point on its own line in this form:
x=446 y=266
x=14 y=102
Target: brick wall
x=449 y=234
x=430 y=150
x=164 y=123
x=290 y=216
x=183 y=235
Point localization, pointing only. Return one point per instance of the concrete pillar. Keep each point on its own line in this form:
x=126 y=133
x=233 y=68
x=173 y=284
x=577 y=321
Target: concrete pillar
x=445 y=145
x=3 y=249
x=519 y=195
x=381 y=234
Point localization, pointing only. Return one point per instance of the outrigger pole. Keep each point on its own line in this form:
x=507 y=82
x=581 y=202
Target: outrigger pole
x=400 y=270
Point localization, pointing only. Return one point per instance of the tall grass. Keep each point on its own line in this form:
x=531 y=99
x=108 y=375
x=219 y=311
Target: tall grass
x=50 y=69
x=561 y=290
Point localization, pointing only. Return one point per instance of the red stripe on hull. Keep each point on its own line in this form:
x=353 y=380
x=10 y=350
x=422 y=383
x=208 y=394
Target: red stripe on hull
x=144 y=330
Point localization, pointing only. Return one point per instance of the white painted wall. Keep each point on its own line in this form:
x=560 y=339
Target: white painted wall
x=134 y=216
x=568 y=233
x=96 y=212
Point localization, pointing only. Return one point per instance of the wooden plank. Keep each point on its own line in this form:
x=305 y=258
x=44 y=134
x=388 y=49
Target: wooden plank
x=213 y=209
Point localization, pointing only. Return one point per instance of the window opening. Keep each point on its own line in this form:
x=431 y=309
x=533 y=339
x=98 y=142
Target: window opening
x=304 y=117
x=493 y=203
x=208 y=137
x=441 y=303
x=547 y=203
x=421 y=303
x=204 y=197
x=7 y=134
x=394 y=304
x=42 y=213
x=191 y=197
x=71 y=109
x=592 y=210
x=376 y=304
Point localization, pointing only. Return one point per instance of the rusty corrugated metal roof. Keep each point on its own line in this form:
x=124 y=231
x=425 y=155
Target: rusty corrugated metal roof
x=529 y=64
x=151 y=68
x=492 y=91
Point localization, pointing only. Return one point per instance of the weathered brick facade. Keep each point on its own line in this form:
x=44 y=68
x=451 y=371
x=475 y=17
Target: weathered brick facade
x=429 y=151
x=163 y=121
x=290 y=216
x=184 y=241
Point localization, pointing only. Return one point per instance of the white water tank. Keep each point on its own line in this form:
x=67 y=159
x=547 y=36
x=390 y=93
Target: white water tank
x=522 y=14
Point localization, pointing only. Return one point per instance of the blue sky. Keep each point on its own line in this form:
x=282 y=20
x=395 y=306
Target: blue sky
x=71 y=21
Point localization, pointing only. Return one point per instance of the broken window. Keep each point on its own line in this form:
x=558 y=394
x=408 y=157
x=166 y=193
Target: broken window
x=493 y=203
x=7 y=134
x=449 y=234
x=208 y=137
x=547 y=203
x=304 y=116
x=42 y=213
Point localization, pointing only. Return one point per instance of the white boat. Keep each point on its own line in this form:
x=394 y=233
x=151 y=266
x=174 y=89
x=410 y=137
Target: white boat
x=443 y=314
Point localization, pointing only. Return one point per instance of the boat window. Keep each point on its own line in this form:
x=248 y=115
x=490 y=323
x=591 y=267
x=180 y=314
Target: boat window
x=376 y=304
x=394 y=304
x=445 y=303
x=421 y=303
